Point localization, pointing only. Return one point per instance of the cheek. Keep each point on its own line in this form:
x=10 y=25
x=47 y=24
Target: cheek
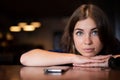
x=78 y=43
x=97 y=42
x=98 y=45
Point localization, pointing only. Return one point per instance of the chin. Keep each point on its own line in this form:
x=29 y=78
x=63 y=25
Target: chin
x=89 y=55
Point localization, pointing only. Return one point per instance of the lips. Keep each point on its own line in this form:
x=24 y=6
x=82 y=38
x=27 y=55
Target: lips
x=88 y=50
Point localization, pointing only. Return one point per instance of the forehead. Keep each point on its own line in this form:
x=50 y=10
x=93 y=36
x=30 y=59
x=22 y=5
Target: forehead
x=86 y=23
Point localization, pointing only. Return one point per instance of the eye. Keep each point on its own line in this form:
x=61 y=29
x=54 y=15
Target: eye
x=79 y=33
x=95 y=32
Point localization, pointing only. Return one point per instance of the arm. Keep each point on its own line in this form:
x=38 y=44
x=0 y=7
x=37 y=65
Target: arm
x=115 y=56
x=38 y=57
x=101 y=64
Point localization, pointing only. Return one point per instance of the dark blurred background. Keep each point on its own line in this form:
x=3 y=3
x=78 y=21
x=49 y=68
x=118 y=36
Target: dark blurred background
x=52 y=15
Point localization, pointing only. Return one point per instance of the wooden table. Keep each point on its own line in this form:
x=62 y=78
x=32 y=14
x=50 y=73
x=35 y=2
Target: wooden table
x=19 y=72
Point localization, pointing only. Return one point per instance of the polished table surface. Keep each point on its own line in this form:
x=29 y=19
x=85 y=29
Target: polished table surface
x=19 y=72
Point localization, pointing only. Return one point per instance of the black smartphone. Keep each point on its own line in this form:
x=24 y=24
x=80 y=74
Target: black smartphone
x=56 y=70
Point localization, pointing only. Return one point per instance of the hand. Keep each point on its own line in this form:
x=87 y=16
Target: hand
x=115 y=56
x=97 y=61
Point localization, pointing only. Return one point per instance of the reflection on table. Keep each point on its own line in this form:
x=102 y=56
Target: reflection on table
x=74 y=73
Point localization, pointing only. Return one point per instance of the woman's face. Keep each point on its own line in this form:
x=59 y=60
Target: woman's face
x=86 y=38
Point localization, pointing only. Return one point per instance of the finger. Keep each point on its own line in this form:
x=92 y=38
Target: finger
x=88 y=60
x=101 y=57
x=96 y=60
x=115 y=56
x=92 y=65
x=85 y=65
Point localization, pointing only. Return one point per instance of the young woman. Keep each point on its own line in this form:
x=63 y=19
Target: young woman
x=88 y=41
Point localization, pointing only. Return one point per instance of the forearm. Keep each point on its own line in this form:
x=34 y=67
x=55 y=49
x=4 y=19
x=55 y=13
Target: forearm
x=39 y=57
x=115 y=56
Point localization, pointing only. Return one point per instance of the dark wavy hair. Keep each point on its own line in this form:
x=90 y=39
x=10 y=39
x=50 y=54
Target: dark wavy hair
x=105 y=31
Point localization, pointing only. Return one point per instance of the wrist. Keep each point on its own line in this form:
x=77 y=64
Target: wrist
x=114 y=63
x=73 y=57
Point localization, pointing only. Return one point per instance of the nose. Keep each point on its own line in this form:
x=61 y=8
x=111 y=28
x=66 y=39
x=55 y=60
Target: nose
x=87 y=40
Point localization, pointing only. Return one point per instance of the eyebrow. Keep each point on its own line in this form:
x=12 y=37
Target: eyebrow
x=78 y=29
x=94 y=28
x=83 y=30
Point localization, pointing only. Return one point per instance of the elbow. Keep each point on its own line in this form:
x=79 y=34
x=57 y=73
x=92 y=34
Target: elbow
x=23 y=60
x=29 y=58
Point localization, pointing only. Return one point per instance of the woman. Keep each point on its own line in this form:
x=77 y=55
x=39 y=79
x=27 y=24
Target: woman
x=88 y=41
